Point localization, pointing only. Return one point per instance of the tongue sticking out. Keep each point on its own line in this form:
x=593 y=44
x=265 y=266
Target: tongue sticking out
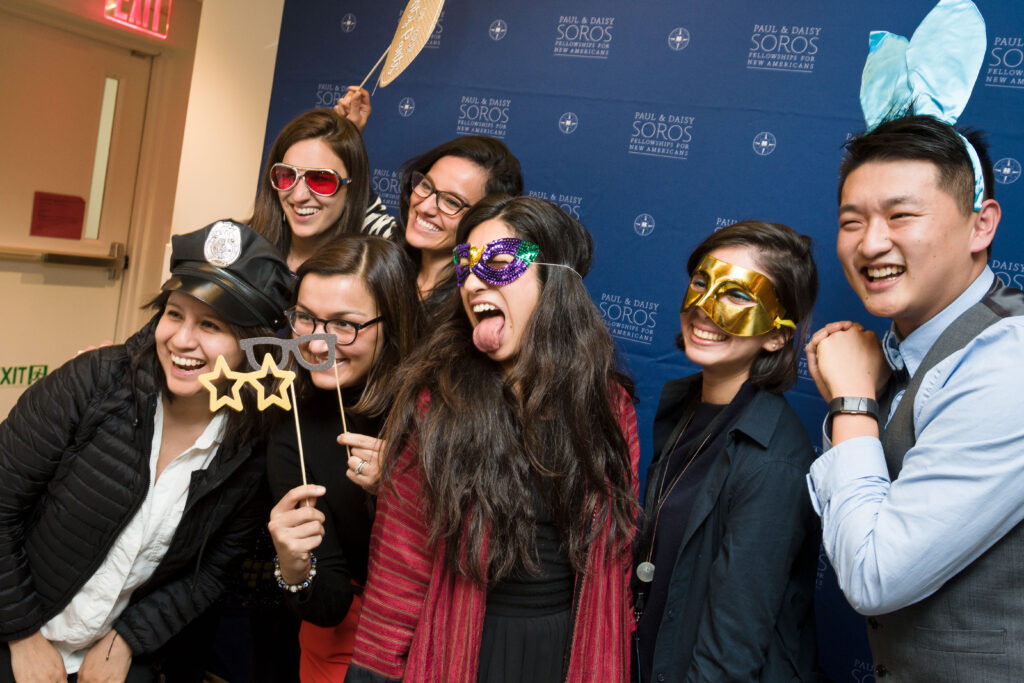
x=487 y=335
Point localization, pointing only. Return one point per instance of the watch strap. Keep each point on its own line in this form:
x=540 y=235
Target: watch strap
x=853 y=405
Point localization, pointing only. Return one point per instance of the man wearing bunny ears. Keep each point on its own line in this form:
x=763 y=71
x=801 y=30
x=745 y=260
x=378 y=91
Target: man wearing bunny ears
x=921 y=490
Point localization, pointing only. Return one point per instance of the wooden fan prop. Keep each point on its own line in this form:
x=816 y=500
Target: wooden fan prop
x=414 y=29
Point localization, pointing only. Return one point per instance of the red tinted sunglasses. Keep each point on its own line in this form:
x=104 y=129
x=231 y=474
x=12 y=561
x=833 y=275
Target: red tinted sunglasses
x=321 y=181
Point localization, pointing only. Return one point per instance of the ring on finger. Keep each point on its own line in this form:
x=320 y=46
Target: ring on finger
x=360 y=466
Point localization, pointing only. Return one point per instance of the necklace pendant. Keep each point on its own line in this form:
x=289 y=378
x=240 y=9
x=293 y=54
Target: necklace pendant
x=645 y=571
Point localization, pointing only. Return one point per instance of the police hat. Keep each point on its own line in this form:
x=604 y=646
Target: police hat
x=235 y=271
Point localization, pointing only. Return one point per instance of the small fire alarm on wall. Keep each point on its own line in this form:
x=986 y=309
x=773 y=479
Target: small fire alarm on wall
x=152 y=17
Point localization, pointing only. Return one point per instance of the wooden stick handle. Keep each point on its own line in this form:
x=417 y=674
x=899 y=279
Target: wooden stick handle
x=375 y=66
x=298 y=434
x=341 y=407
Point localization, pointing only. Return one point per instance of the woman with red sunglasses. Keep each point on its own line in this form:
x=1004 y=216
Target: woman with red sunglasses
x=316 y=187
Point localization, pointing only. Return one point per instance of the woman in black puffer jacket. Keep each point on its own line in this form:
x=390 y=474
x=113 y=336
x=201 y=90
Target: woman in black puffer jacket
x=123 y=499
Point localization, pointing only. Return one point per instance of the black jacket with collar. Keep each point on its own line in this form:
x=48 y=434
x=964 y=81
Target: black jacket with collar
x=74 y=469
x=740 y=605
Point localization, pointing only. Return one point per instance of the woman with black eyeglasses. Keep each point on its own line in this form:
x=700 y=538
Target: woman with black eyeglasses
x=316 y=187
x=360 y=289
x=438 y=187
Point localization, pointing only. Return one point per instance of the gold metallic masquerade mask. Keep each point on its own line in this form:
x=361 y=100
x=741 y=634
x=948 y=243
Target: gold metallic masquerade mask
x=742 y=302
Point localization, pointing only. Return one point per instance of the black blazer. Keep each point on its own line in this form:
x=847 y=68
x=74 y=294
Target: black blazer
x=741 y=598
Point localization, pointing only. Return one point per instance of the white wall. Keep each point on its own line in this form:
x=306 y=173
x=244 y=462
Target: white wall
x=227 y=111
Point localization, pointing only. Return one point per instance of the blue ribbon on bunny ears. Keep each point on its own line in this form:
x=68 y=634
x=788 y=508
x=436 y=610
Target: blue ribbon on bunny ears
x=934 y=72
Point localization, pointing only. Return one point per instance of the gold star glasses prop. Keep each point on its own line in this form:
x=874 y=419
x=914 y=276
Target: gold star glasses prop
x=286 y=378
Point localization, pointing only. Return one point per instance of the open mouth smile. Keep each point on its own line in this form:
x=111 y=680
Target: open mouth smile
x=708 y=335
x=187 y=365
x=429 y=227
x=882 y=273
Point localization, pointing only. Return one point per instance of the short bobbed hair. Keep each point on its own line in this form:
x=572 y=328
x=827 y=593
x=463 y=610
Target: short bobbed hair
x=785 y=257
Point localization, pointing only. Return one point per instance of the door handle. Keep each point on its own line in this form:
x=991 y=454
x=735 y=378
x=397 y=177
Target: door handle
x=115 y=262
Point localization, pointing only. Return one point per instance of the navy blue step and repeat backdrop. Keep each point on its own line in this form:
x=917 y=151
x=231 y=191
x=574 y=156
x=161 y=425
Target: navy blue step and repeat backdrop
x=656 y=122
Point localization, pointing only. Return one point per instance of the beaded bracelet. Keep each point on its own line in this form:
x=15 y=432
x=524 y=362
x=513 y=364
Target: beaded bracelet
x=295 y=587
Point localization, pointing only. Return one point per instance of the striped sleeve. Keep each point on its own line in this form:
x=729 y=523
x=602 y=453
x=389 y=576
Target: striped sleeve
x=398 y=576
x=378 y=221
x=604 y=622
x=627 y=423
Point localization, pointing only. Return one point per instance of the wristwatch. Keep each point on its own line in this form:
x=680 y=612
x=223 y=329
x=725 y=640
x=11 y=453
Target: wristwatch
x=851 y=405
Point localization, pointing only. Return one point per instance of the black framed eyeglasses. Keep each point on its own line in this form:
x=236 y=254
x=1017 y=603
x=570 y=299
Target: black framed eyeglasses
x=320 y=181
x=447 y=203
x=346 y=331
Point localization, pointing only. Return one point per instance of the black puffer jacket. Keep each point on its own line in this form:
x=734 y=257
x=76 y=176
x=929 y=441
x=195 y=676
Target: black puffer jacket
x=74 y=469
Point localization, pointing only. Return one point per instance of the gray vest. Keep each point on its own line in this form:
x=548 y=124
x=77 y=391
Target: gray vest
x=972 y=628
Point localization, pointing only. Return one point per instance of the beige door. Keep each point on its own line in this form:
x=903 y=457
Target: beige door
x=63 y=95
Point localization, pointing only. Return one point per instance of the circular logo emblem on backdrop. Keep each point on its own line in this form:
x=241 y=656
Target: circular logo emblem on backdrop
x=643 y=224
x=764 y=143
x=348 y=23
x=406 y=107
x=1006 y=171
x=568 y=122
x=678 y=39
x=223 y=244
x=497 y=30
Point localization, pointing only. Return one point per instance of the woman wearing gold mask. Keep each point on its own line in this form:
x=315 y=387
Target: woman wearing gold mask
x=727 y=552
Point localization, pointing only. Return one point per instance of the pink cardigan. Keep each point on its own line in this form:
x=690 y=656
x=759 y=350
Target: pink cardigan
x=422 y=622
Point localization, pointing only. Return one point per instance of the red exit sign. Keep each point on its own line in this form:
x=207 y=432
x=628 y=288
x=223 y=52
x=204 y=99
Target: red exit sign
x=151 y=17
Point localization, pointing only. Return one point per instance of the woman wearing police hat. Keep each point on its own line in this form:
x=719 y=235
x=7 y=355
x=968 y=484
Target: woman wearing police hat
x=727 y=553
x=123 y=499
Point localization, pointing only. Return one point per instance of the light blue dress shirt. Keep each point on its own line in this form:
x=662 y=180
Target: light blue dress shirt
x=961 y=487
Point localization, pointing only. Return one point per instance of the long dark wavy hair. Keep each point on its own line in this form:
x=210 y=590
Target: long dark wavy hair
x=489 y=437
x=344 y=140
x=390 y=277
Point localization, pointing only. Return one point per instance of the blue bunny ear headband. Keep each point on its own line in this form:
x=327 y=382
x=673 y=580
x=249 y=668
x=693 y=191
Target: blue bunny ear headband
x=933 y=73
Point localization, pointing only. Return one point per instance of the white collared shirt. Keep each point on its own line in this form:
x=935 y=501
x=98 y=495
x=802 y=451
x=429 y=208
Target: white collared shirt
x=138 y=550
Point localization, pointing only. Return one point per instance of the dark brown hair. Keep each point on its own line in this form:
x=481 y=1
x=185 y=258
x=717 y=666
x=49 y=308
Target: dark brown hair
x=503 y=177
x=490 y=154
x=391 y=280
x=343 y=138
x=489 y=437
x=785 y=257
x=924 y=138
x=247 y=424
